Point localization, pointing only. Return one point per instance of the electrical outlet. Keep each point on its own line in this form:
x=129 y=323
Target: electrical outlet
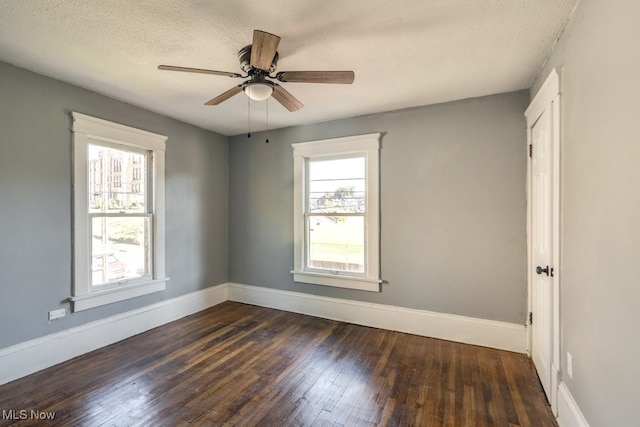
x=56 y=314
x=569 y=365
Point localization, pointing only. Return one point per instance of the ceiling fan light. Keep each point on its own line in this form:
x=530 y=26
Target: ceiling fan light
x=258 y=91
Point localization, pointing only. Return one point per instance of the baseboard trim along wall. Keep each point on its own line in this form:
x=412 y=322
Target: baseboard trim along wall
x=32 y=356
x=569 y=414
x=468 y=330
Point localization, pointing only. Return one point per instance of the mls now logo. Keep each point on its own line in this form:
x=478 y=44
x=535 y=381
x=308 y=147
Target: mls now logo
x=24 y=414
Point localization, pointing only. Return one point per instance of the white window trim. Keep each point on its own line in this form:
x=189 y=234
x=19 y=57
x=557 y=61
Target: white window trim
x=85 y=129
x=368 y=146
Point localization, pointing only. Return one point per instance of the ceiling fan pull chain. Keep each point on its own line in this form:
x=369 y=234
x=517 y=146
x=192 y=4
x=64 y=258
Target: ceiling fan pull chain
x=248 y=117
x=267 y=141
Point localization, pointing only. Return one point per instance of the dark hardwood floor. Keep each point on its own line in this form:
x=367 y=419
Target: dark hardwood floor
x=236 y=364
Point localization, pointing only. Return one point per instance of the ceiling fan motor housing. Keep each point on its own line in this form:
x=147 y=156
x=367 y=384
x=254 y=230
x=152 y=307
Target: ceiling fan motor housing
x=244 y=55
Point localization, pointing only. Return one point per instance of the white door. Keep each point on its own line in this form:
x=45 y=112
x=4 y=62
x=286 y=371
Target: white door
x=541 y=248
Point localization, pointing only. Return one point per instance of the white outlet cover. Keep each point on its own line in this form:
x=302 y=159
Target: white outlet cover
x=569 y=365
x=56 y=314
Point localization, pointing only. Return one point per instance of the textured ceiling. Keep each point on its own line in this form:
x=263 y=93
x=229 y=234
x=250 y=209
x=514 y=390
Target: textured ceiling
x=404 y=53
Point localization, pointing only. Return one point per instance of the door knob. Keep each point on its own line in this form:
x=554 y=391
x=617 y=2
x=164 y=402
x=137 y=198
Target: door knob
x=541 y=270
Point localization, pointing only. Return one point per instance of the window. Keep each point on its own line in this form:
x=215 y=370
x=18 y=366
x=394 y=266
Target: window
x=336 y=217
x=118 y=211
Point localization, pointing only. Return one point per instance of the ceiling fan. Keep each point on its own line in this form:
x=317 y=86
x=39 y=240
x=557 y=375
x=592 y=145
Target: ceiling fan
x=259 y=60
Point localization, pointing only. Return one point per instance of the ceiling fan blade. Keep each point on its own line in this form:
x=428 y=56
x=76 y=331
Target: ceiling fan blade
x=286 y=99
x=225 y=95
x=197 y=70
x=336 y=77
x=263 y=49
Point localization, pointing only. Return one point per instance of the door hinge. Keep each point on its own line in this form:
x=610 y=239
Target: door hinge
x=530 y=318
x=530 y=150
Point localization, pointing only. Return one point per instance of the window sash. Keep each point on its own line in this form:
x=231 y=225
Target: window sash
x=136 y=173
x=147 y=248
x=308 y=181
x=335 y=263
x=333 y=266
x=147 y=213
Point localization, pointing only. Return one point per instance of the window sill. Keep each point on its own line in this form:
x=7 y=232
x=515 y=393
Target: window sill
x=96 y=299
x=348 y=282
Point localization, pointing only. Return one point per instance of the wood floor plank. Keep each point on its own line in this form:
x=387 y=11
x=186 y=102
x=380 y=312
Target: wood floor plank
x=236 y=364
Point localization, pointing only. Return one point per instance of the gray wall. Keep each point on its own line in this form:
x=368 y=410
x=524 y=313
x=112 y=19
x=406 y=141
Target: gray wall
x=35 y=202
x=600 y=269
x=453 y=207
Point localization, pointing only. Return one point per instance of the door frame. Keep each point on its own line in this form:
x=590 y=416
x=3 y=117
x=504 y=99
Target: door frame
x=547 y=97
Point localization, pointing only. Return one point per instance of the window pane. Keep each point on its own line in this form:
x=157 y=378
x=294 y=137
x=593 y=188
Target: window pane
x=117 y=180
x=120 y=248
x=336 y=243
x=336 y=185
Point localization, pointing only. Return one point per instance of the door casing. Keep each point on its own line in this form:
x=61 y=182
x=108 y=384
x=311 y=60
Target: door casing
x=548 y=97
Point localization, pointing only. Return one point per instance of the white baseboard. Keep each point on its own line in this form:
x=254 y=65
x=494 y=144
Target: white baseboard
x=34 y=355
x=555 y=384
x=487 y=333
x=569 y=414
